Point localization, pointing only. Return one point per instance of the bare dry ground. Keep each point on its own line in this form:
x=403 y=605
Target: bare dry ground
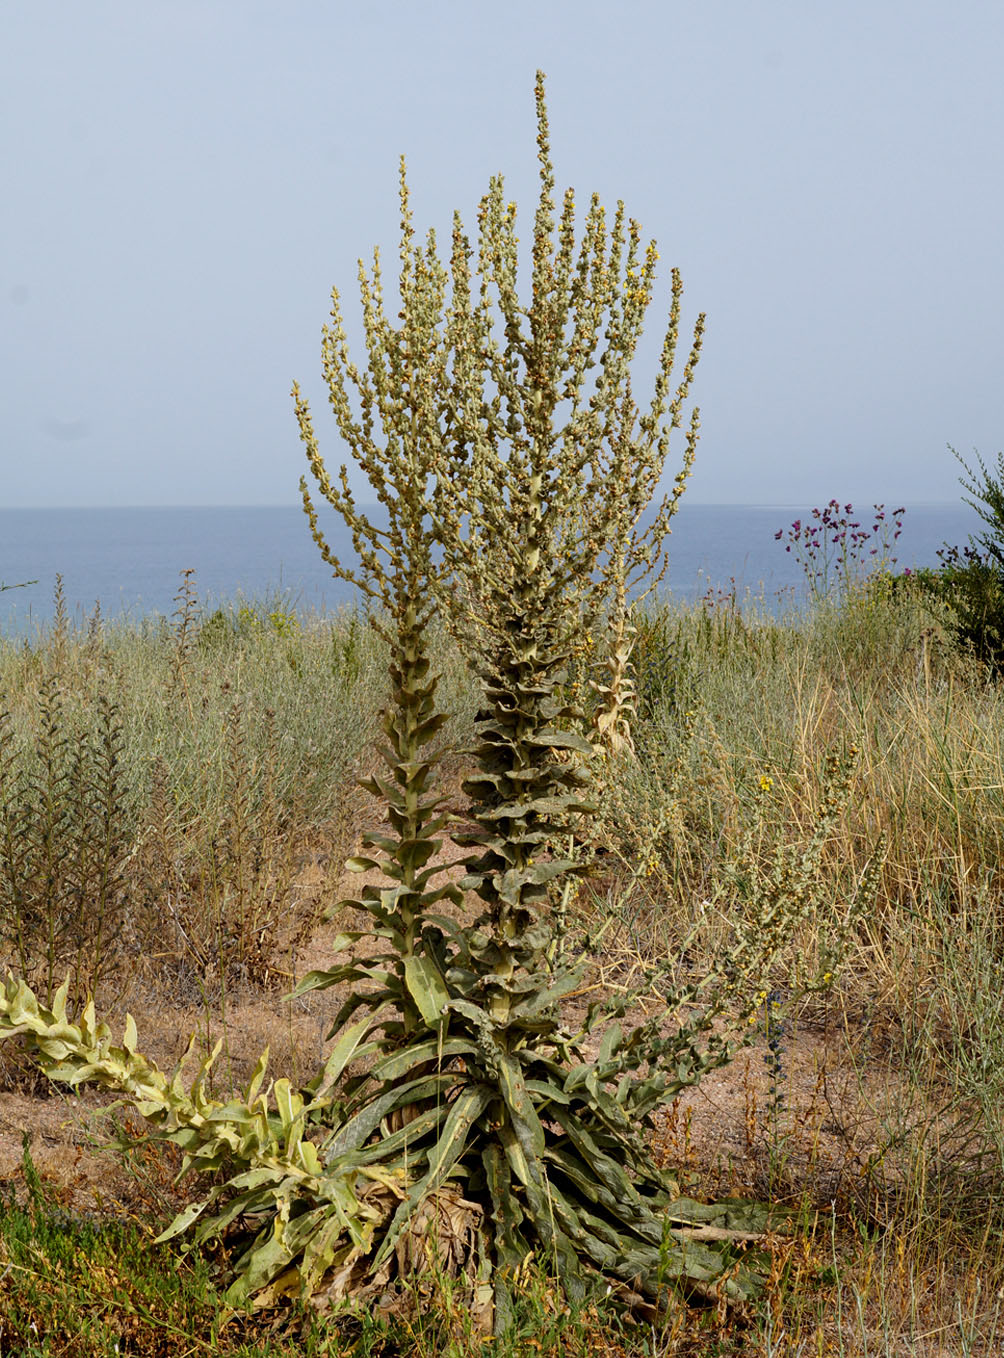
x=770 y=1119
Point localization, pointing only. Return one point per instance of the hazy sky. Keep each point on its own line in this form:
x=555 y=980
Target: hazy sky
x=184 y=180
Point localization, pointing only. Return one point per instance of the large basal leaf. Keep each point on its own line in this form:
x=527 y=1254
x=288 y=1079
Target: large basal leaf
x=427 y=988
x=357 y=1129
x=467 y=1107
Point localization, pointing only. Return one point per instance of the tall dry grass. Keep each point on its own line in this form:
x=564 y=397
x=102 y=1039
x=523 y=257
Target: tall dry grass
x=740 y=708
x=161 y=783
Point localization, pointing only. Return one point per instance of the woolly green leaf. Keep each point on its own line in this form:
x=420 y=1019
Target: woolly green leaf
x=321 y=980
x=254 y=1178
x=449 y=891
x=358 y=1129
x=545 y=996
x=372 y=1000
x=59 y=1002
x=521 y=1110
x=626 y=1200
x=392 y=1067
x=288 y=1105
x=547 y=1092
x=182 y=1221
x=427 y=729
x=319 y=1253
x=612 y=1194
x=507 y=1213
x=464 y=1112
x=387 y=792
x=550 y=738
x=260 y=1265
x=415 y=853
x=346 y=1049
x=212 y=1227
x=612 y=1039
x=426 y=987
x=540 y=806
x=70 y=1072
x=382 y=842
x=535 y=875
x=409 y=1138
x=540 y=1211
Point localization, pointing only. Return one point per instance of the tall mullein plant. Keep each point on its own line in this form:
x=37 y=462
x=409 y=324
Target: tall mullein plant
x=484 y=1085
x=555 y=465
x=396 y=438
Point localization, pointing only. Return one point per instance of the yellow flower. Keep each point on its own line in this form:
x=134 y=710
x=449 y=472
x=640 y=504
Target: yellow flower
x=766 y=783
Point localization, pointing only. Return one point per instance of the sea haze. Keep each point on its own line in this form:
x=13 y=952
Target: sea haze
x=131 y=559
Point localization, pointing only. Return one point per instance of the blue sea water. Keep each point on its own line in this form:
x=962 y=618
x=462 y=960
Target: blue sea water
x=130 y=559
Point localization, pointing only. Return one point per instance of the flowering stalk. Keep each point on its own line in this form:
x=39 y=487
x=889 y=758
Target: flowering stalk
x=402 y=398
x=836 y=551
x=553 y=466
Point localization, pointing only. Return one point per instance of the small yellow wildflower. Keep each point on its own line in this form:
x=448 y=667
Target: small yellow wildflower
x=766 y=783
x=827 y=977
x=759 y=999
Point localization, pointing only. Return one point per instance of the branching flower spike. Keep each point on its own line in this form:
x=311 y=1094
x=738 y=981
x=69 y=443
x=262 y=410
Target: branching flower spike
x=396 y=436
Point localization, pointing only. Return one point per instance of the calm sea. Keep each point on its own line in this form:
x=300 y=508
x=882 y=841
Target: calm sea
x=130 y=559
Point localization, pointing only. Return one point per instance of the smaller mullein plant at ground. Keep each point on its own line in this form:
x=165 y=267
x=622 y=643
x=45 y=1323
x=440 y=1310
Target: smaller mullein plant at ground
x=837 y=550
x=331 y=1204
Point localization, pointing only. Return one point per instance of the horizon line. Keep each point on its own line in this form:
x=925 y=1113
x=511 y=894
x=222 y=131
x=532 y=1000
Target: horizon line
x=696 y=504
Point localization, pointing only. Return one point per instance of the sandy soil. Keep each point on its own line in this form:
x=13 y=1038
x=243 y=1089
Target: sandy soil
x=814 y=1117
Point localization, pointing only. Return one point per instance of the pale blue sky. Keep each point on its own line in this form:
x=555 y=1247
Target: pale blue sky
x=184 y=180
